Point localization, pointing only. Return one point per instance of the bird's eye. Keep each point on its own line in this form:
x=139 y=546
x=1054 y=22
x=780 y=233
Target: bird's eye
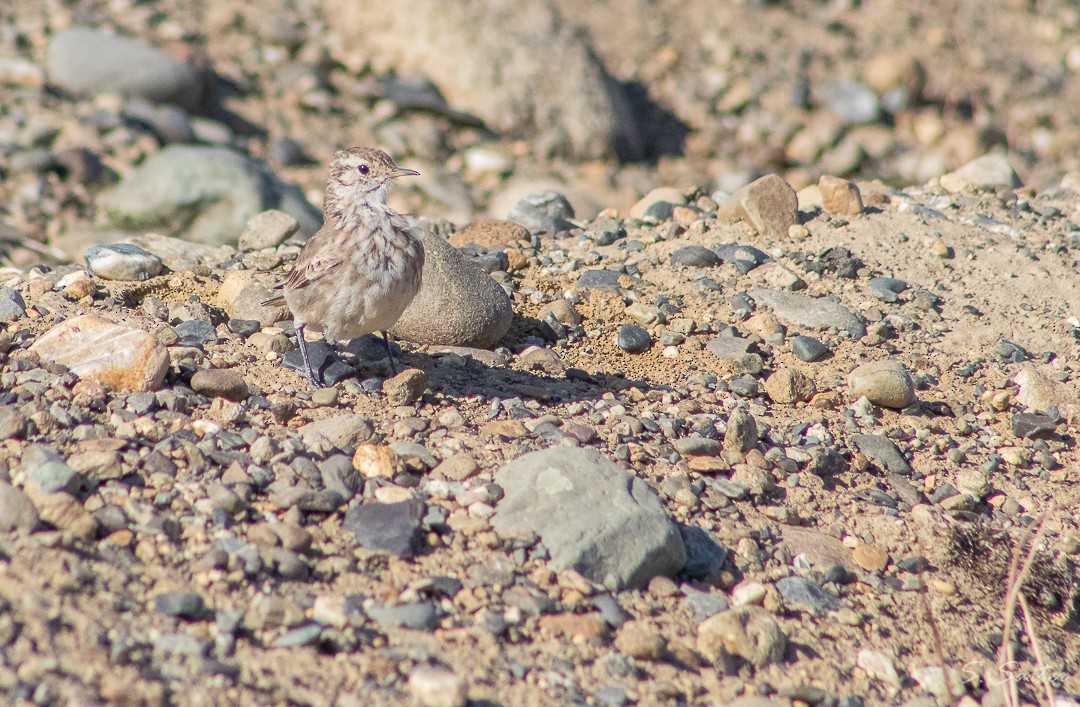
x=363 y=169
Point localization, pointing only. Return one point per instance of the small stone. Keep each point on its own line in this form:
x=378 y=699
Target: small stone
x=747 y=593
x=659 y=196
x=641 y=641
x=698 y=447
x=183 y=605
x=121 y=357
x=458 y=467
x=220 y=383
x=420 y=616
x=543 y=212
x=695 y=256
x=887 y=289
x=12 y=305
x=340 y=432
x=811 y=312
x=808 y=349
x=1033 y=425
x=633 y=339
x=748 y=632
x=840 y=196
x=805 y=594
x=742 y=432
x=878 y=666
x=393 y=528
x=991 y=171
x=870 y=557
x=13 y=424
x=438 y=687
x=736 y=350
x=378 y=461
x=267 y=229
x=851 y=101
x=885 y=383
x=789 y=385
x=458 y=303
x=769 y=205
x=16 y=509
x=122 y=261
x=406 y=387
x=598 y=280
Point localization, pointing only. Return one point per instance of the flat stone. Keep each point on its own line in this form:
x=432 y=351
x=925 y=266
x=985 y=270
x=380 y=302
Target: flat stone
x=769 y=206
x=695 y=256
x=458 y=303
x=878 y=666
x=883 y=451
x=885 y=383
x=324 y=361
x=809 y=349
x=1033 y=425
x=120 y=65
x=13 y=424
x=122 y=261
x=820 y=549
x=871 y=558
x=220 y=383
x=839 y=196
x=267 y=229
x=591 y=516
x=744 y=257
x=811 y=312
x=420 y=616
x=887 y=289
x=705 y=555
x=633 y=339
x=341 y=432
x=805 y=594
x=392 y=528
x=121 y=357
x=12 y=305
x=735 y=350
x=698 y=447
x=204 y=193
x=747 y=632
x=183 y=605
x=598 y=280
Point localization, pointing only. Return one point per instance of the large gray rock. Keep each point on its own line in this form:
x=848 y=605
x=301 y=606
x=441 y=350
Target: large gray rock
x=812 y=312
x=520 y=67
x=88 y=62
x=203 y=194
x=458 y=303
x=591 y=515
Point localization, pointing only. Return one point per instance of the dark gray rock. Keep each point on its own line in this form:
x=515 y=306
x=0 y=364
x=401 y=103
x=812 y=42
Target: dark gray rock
x=323 y=360
x=694 y=256
x=196 y=332
x=705 y=556
x=744 y=257
x=887 y=289
x=1033 y=425
x=599 y=280
x=591 y=516
x=809 y=349
x=387 y=527
x=884 y=452
x=805 y=594
x=633 y=339
x=182 y=605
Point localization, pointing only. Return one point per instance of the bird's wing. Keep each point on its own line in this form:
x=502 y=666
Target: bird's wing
x=314 y=263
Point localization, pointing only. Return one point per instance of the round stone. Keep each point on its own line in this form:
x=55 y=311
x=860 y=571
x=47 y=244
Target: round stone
x=884 y=383
x=220 y=383
x=633 y=339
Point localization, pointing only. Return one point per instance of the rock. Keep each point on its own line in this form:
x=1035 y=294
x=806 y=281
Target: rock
x=851 y=101
x=768 y=205
x=122 y=261
x=641 y=641
x=1030 y=425
x=544 y=361
x=12 y=305
x=241 y=295
x=744 y=257
x=884 y=383
x=1039 y=393
x=658 y=196
x=52 y=477
x=736 y=350
x=491 y=232
x=633 y=339
x=121 y=357
x=810 y=312
x=393 y=528
x=878 y=666
x=438 y=687
x=742 y=432
x=808 y=349
x=695 y=256
x=887 y=289
x=697 y=447
x=884 y=452
x=220 y=383
x=778 y=277
x=458 y=467
x=183 y=605
x=748 y=632
x=406 y=387
x=990 y=171
x=543 y=212
x=805 y=594
x=598 y=280
x=705 y=556
x=458 y=303
x=204 y=194
x=522 y=69
x=13 y=424
x=377 y=460
x=788 y=386
x=591 y=516
x=821 y=550
x=870 y=557
x=341 y=432
x=17 y=512
x=839 y=196
x=267 y=229
x=420 y=616
x=121 y=66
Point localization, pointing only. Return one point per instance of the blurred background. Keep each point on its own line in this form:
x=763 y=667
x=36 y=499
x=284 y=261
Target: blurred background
x=186 y=116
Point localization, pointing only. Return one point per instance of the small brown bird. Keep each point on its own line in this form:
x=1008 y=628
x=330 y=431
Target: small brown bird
x=362 y=269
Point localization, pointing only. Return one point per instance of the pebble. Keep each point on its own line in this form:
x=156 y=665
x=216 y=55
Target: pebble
x=656 y=202
x=839 y=196
x=695 y=256
x=120 y=65
x=810 y=312
x=122 y=261
x=420 y=616
x=16 y=509
x=267 y=229
x=406 y=387
x=214 y=190
x=744 y=257
x=339 y=432
x=851 y=101
x=878 y=666
x=301 y=636
x=887 y=289
x=805 y=594
x=93 y=348
x=220 y=383
x=633 y=339
x=598 y=280
x=809 y=349
x=736 y=350
x=392 y=528
x=748 y=592
x=585 y=509
x=870 y=557
x=489 y=233
x=742 y=432
x=457 y=467
x=13 y=424
x=748 y=632
x=12 y=305
x=641 y=641
x=769 y=206
x=885 y=383
x=543 y=212
x=183 y=605
x=458 y=303
x=788 y=385
x=433 y=686
x=1033 y=425
x=377 y=461
x=990 y=171
x=698 y=447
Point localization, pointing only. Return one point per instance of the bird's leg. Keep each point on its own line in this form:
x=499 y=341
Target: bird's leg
x=390 y=353
x=315 y=380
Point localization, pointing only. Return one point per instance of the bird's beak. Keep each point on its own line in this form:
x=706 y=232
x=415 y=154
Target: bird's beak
x=400 y=172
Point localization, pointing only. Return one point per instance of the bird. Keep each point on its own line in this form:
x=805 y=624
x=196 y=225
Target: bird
x=361 y=270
